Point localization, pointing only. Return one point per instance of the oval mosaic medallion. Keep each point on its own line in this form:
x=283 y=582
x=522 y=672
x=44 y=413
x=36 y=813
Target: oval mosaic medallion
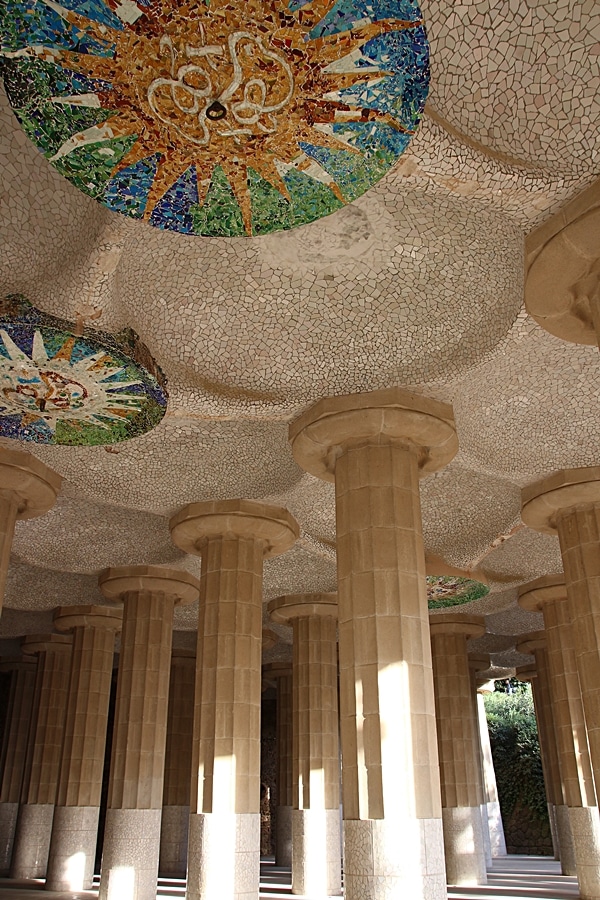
x=450 y=590
x=58 y=387
x=217 y=117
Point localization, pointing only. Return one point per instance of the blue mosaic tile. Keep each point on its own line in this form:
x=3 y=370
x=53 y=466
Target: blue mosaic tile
x=217 y=117
x=61 y=387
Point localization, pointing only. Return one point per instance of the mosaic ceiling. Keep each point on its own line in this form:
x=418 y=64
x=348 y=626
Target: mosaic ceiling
x=64 y=386
x=218 y=117
x=419 y=282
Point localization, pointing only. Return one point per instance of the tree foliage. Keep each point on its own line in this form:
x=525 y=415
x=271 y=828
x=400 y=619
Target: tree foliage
x=516 y=752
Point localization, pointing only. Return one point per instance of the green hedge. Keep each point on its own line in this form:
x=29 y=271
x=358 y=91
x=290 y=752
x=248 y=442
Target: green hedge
x=516 y=751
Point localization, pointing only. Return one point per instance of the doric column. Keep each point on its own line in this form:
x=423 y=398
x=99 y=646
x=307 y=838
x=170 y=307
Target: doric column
x=233 y=537
x=135 y=792
x=178 y=765
x=581 y=831
x=316 y=862
x=282 y=674
x=28 y=488
x=14 y=748
x=375 y=446
x=477 y=663
x=75 y=826
x=460 y=772
x=494 y=815
x=42 y=761
x=538 y=675
x=568 y=502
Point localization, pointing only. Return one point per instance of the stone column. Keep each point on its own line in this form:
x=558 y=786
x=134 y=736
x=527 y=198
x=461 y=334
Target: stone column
x=135 y=792
x=462 y=794
x=233 y=537
x=316 y=862
x=178 y=765
x=477 y=663
x=535 y=643
x=568 y=503
x=375 y=446
x=28 y=488
x=75 y=826
x=578 y=822
x=14 y=748
x=282 y=673
x=494 y=815
x=42 y=761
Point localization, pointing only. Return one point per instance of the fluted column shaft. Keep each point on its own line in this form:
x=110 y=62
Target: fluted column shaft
x=283 y=844
x=316 y=869
x=14 y=749
x=42 y=763
x=132 y=836
x=9 y=508
x=494 y=816
x=460 y=773
x=75 y=826
x=225 y=796
x=389 y=746
x=579 y=535
x=316 y=775
x=28 y=488
x=578 y=821
x=232 y=537
x=178 y=765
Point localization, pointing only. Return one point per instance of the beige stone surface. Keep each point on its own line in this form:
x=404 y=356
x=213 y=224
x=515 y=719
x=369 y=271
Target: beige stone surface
x=135 y=791
x=275 y=528
x=457 y=736
x=316 y=862
x=14 y=749
x=178 y=765
x=386 y=682
x=233 y=538
x=42 y=761
x=562 y=288
x=75 y=827
x=324 y=432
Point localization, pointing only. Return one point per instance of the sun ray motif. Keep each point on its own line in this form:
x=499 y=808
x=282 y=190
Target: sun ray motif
x=59 y=387
x=233 y=87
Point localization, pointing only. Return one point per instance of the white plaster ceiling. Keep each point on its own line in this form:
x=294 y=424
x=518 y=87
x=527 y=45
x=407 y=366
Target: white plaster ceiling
x=418 y=283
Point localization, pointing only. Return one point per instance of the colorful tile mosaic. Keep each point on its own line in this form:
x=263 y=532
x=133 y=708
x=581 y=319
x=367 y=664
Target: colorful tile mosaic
x=448 y=590
x=218 y=117
x=59 y=387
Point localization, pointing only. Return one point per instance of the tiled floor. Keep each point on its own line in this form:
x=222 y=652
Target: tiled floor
x=514 y=878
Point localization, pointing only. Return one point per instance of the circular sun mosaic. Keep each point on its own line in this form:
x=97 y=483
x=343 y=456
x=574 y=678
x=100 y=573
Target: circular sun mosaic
x=450 y=590
x=217 y=117
x=57 y=387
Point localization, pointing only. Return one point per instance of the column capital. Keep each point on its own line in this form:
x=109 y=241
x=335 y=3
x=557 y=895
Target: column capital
x=526 y=673
x=17 y=664
x=320 y=434
x=182 y=653
x=543 y=500
x=449 y=623
x=269 y=638
x=34 y=484
x=249 y=519
x=294 y=606
x=534 y=594
x=38 y=643
x=535 y=640
x=562 y=283
x=119 y=580
x=479 y=662
x=66 y=618
x=277 y=669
